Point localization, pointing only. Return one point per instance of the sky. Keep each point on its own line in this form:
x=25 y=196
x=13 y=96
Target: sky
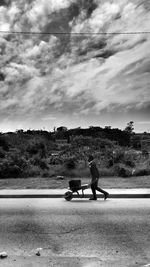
x=78 y=79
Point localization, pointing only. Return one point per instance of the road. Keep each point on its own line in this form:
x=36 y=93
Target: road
x=79 y=233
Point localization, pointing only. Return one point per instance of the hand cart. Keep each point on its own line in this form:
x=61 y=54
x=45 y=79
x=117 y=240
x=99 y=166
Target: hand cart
x=74 y=187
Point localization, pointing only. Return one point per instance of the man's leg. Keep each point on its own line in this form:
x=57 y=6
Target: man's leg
x=101 y=190
x=106 y=194
x=93 y=188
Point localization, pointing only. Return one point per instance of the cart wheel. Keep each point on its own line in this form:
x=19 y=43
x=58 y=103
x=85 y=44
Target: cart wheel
x=68 y=195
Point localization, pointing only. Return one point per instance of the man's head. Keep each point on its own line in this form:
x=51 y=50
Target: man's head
x=90 y=158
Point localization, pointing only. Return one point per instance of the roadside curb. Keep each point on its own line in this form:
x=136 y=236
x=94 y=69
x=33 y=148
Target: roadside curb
x=59 y=193
x=74 y=196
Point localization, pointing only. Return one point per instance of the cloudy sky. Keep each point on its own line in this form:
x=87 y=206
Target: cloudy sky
x=81 y=78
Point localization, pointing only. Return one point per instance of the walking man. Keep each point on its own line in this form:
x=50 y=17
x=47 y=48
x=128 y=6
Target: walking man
x=94 y=180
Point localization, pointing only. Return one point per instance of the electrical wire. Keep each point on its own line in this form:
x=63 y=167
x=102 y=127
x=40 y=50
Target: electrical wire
x=74 y=33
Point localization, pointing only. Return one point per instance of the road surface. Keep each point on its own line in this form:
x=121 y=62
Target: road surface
x=79 y=233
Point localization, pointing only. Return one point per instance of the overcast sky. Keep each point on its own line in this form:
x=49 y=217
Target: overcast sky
x=77 y=79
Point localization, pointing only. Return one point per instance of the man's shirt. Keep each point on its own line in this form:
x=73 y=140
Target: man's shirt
x=94 y=171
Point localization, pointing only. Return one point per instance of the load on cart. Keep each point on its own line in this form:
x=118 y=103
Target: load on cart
x=74 y=187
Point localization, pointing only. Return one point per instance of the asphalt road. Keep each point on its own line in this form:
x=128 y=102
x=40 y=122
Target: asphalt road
x=79 y=233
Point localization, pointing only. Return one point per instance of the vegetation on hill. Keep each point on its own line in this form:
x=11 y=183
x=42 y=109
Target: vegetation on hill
x=63 y=152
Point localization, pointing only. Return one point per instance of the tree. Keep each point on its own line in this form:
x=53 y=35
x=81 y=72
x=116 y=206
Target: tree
x=129 y=130
x=130 y=127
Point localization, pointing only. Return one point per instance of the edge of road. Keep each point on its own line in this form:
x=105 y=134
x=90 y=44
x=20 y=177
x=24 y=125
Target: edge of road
x=59 y=193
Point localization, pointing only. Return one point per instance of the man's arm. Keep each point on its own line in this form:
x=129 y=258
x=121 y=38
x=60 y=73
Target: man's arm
x=93 y=181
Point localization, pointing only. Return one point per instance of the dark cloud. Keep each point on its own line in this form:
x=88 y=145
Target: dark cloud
x=2 y=76
x=88 y=6
x=145 y=3
x=105 y=54
x=5 y=2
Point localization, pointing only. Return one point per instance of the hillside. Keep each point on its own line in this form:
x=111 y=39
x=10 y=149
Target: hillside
x=64 y=153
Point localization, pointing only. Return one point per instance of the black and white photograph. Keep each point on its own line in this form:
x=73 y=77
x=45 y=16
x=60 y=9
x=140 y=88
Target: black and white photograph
x=74 y=133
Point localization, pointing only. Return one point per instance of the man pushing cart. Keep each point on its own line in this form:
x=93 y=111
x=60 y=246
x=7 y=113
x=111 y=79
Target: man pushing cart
x=75 y=185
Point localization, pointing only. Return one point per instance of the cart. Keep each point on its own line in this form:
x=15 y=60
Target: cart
x=74 y=187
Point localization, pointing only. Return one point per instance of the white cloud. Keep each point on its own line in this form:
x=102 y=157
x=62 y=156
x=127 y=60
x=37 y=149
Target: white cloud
x=12 y=13
x=112 y=16
x=17 y=72
x=41 y=9
x=7 y=103
x=4 y=23
x=102 y=15
x=42 y=48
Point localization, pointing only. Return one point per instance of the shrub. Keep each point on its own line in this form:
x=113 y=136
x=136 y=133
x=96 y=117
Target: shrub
x=110 y=163
x=35 y=147
x=2 y=153
x=145 y=153
x=14 y=171
x=37 y=161
x=46 y=174
x=80 y=172
x=15 y=158
x=70 y=164
x=3 y=143
x=8 y=170
x=31 y=171
x=142 y=172
x=118 y=156
x=43 y=165
x=55 y=161
x=129 y=161
x=13 y=165
x=121 y=157
x=122 y=170
x=103 y=143
x=106 y=172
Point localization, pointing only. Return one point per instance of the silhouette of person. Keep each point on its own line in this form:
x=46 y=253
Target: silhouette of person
x=94 y=180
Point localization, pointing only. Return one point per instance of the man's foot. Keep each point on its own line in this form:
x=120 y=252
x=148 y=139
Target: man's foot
x=106 y=195
x=92 y=198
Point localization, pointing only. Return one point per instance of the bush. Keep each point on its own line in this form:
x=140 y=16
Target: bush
x=129 y=161
x=35 y=147
x=122 y=170
x=142 y=172
x=119 y=156
x=13 y=165
x=70 y=164
x=106 y=172
x=46 y=174
x=15 y=158
x=37 y=161
x=2 y=153
x=80 y=172
x=14 y=171
x=55 y=161
x=110 y=163
x=8 y=170
x=31 y=171
x=3 y=143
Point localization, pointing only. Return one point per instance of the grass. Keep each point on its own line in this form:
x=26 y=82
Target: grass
x=54 y=183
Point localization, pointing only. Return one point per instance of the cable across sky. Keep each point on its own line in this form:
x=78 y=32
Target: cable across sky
x=75 y=33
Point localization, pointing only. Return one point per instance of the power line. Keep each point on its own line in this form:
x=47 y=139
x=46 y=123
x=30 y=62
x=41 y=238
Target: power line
x=74 y=33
